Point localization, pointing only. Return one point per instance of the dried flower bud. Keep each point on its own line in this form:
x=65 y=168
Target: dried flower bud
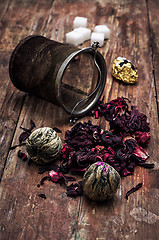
x=100 y=181
x=43 y=145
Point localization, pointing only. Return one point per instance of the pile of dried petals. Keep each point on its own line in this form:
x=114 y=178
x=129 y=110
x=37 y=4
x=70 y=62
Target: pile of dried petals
x=121 y=146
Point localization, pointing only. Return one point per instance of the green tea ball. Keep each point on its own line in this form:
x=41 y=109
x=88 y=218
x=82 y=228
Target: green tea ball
x=100 y=181
x=43 y=145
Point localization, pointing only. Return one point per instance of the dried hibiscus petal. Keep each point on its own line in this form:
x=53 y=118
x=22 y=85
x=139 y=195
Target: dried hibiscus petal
x=23 y=136
x=22 y=155
x=134 y=189
x=57 y=130
x=78 y=171
x=32 y=125
x=96 y=114
x=110 y=139
x=142 y=138
x=42 y=195
x=49 y=167
x=140 y=153
x=109 y=156
x=137 y=151
x=110 y=110
x=44 y=179
x=138 y=121
x=146 y=165
x=66 y=150
x=59 y=177
x=64 y=166
x=130 y=122
x=119 y=124
x=75 y=189
x=27 y=131
x=84 y=157
x=83 y=135
x=122 y=119
x=115 y=107
x=56 y=177
x=125 y=172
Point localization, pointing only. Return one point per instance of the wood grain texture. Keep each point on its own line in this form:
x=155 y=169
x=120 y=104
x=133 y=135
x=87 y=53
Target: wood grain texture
x=24 y=215
x=152 y=7
x=16 y=23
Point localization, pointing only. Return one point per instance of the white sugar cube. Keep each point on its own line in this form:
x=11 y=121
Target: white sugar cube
x=102 y=29
x=74 y=38
x=85 y=31
x=80 y=22
x=97 y=37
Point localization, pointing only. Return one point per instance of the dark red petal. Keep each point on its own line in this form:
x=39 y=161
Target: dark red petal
x=134 y=189
x=140 y=153
x=44 y=179
x=59 y=177
x=146 y=165
x=78 y=171
x=23 y=136
x=75 y=189
x=96 y=114
x=42 y=195
x=56 y=177
x=32 y=125
x=22 y=155
x=57 y=130
x=142 y=138
x=49 y=167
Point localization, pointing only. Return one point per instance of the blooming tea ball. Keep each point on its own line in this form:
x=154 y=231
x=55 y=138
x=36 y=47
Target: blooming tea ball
x=100 y=181
x=43 y=145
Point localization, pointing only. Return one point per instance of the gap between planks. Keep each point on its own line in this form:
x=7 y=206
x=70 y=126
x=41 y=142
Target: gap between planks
x=152 y=57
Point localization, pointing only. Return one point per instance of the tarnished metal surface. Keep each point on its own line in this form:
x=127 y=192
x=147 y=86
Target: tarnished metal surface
x=37 y=66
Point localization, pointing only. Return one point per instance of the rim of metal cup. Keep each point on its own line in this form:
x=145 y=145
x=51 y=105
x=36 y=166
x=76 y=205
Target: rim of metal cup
x=102 y=81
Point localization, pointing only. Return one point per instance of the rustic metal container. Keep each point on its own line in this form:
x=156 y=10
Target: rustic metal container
x=59 y=73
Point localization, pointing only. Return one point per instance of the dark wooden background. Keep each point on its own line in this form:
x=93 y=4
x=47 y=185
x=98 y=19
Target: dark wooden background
x=134 y=35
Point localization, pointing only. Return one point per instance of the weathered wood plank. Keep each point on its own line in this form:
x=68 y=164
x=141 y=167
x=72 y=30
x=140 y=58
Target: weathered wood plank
x=43 y=114
x=17 y=21
x=118 y=220
x=24 y=215
x=118 y=216
x=154 y=43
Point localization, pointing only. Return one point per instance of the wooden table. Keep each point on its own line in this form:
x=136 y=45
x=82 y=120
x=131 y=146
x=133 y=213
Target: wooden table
x=134 y=35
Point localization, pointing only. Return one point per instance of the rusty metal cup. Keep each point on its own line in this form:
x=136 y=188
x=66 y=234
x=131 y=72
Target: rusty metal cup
x=59 y=73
